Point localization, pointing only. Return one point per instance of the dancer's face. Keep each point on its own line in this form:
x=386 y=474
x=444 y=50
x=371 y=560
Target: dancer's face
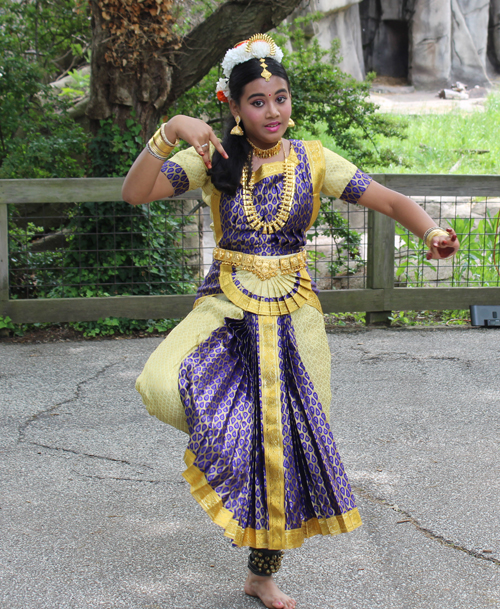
x=265 y=109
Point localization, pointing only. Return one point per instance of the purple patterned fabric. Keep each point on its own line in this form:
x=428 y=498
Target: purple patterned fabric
x=237 y=234
x=315 y=481
x=219 y=384
x=356 y=187
x=177 y=177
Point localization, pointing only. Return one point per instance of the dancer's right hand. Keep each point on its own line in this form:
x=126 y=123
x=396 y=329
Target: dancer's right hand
x=196 y=133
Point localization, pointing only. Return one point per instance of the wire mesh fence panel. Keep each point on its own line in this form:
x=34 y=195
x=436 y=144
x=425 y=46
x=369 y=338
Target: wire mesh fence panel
x=476 y=222
x=100 y=249
x=337 y=246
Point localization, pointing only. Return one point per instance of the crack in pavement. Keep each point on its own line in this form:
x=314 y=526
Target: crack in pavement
x=80 y=454
x=368 y=356
x=117 y=478
x=427 y=532
x=23 y=426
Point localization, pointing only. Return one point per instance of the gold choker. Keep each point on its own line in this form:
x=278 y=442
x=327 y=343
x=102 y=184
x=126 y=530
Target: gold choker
x=265 y=154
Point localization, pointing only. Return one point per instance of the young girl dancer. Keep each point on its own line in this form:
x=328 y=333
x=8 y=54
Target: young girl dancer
x=247 y=373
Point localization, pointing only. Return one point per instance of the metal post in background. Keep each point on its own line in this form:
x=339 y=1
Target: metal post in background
x=380 y=261
x=4 y=257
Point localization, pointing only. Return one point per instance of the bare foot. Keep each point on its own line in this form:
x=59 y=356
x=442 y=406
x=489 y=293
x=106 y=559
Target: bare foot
x=268 y=592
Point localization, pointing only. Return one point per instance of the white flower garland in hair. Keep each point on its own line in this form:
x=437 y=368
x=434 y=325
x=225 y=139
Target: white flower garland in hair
x=260 y=49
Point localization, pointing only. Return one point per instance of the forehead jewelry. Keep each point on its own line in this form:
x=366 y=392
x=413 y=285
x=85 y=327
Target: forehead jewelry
x=259 y=46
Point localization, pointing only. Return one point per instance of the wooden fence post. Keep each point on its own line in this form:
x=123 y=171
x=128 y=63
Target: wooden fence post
x=380 y=261
x=4 y=258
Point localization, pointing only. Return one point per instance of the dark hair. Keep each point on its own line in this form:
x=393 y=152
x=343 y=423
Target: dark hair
x=226 y=173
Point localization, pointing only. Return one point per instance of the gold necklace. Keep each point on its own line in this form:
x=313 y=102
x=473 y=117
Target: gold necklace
x=265 y=154
x=284 y=208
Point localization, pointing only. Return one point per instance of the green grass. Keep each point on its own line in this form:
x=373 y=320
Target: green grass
x=400 y=319
x=435 y=143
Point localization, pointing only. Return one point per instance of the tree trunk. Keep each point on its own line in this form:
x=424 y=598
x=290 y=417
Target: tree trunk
x=135 y=86
x=144 y=72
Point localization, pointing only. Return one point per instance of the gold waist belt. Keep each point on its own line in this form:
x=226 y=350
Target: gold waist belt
x=263 y=266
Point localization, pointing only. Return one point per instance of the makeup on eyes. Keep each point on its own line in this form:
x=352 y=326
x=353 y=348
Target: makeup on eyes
x=263 y=94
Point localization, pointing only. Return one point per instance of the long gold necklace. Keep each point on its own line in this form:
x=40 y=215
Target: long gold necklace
x=284 y=208
x=261 y=153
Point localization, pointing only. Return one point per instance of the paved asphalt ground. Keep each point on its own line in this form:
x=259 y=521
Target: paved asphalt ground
x=95 y=512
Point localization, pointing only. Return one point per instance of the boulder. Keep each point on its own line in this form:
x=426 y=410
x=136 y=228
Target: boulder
x=430 y=43
x=494 y=33
x=469 y=38
x=341 y=20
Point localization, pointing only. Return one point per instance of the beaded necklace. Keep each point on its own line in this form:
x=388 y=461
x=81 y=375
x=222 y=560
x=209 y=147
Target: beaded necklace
x=284 y=208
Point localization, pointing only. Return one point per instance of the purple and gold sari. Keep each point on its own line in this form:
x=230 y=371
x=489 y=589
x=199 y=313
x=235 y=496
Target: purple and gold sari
x=247 y=373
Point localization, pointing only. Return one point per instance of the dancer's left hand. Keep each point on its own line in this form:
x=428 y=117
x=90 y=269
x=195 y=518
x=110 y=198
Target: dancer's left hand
x=443 y=247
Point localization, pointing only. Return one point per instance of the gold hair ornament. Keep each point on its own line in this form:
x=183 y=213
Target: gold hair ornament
x=264 y=38
x=265 y=72
x=272 y=45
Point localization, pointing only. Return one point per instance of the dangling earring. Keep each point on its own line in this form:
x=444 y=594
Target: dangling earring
x=291 y=123
x=237 y=130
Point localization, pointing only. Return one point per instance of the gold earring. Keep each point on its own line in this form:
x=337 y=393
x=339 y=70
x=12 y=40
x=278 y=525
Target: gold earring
x=291 y=123
x=237 y=130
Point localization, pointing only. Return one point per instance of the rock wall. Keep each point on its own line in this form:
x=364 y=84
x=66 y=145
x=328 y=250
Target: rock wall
x=432 y=43
x=340 y=19
x=494 y=34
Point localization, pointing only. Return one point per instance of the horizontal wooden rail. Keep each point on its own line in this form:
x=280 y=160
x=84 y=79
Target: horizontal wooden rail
x=45 y=310
x=69 y=190
x=77 y=190
x=378 y=299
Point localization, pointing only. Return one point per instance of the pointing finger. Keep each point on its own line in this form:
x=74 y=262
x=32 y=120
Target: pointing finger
x=216 y=142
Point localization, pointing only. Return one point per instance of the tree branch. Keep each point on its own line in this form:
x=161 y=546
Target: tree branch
x=232 y=22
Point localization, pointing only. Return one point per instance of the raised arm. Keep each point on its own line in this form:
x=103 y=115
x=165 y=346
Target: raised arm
x=410 y=215
x=144 y=182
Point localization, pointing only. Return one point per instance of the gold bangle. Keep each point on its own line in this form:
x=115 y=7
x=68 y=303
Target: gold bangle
x=161 y=144
x=165 y=138
x=155 y=154
x=435 y=231
x=158 y=146
x=160 y=152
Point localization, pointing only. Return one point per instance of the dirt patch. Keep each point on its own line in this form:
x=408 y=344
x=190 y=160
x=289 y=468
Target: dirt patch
x=60 y=334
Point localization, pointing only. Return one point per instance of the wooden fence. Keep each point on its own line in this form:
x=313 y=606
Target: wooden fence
x=378 y=299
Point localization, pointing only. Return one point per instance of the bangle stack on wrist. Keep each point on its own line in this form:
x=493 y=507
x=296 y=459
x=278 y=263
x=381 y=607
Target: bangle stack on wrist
x=434 y=231
x=159 y=145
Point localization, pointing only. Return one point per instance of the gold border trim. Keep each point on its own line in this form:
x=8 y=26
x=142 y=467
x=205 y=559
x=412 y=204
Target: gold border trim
x=215 y=207
x=259 y=538
x=271 y=169
x=269 y=369
x=316 y=157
